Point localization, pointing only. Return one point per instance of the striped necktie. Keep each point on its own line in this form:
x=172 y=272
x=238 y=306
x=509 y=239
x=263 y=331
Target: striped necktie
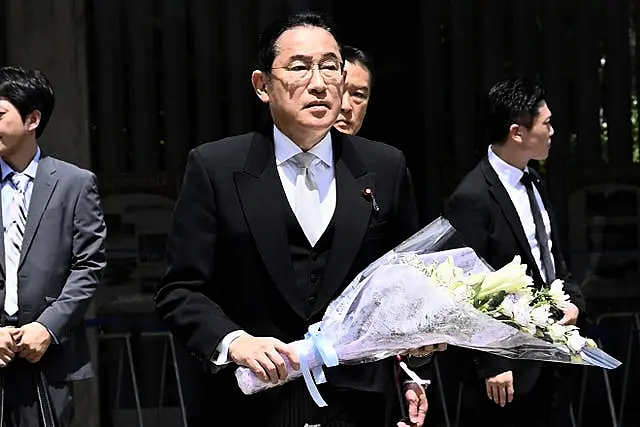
x=13 y=241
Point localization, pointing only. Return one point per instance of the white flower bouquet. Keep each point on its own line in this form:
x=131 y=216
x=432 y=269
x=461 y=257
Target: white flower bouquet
x=433 y=289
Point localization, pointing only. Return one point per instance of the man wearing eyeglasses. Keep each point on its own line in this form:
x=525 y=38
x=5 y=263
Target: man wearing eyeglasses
x=270 y=226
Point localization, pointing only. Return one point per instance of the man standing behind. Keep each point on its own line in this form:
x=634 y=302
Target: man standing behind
x=271 y=226
x=502 y=210
x=357 y=90
x=52 y=257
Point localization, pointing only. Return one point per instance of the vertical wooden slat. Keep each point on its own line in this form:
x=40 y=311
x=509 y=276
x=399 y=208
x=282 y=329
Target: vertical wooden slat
x=434 y=193
x=494 y=37
x=143 y=91
x=524 y=46
x=236 y=62
x=557 y=82
x=617 y=86
x=175 y=82
x=3 y=33
x=586 y=66
x=108 y=93
x=463 y=83
x=206 y=70
x=636 y=18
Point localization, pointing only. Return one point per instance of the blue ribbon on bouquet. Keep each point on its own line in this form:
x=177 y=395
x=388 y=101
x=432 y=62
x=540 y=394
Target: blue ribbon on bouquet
x=315 y=375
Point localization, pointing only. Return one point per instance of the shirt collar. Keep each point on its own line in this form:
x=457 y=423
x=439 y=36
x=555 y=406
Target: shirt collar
x=507 y=173
x=30 y=171
x=285 y=149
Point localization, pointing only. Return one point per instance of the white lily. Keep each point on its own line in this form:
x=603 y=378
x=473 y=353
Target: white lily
x=512 y=278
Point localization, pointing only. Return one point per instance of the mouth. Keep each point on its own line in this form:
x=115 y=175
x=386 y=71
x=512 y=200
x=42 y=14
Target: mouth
x=317 y=104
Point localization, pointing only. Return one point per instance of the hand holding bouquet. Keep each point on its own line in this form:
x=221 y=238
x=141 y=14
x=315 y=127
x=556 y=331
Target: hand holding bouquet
x=432 y=289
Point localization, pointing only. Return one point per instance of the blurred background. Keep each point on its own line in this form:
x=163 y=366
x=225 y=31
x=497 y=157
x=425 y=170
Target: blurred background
x=139 y=83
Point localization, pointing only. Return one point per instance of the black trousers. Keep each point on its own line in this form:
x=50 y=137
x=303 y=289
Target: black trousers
x=21 y=400
x=293 y=407
x=546 y=405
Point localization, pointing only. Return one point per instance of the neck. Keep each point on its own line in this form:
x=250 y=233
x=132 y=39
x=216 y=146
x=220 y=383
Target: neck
x=22 y=157
x=510 y=156
x=306 y=140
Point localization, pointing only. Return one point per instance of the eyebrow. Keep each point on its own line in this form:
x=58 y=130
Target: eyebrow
x=324 y=57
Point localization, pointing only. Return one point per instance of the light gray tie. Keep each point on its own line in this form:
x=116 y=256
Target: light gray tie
x=307 y=198
x=13 y=241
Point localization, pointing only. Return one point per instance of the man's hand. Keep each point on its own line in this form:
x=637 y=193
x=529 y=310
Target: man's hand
x=416 y=397
x=264 y=356
x=426 y=350
x=32 y=341
x=7 y=346
x=570 y=315
x=500 y=388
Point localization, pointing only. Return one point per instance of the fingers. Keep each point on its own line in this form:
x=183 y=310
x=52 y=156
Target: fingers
x=269 y=367
x=279 y=364
x=258 y=370
x=565 y=319
x=412 y=400
x=417 y=404
x=289 y=352
x=4 y=360
x=502 y=395
x=510 y=392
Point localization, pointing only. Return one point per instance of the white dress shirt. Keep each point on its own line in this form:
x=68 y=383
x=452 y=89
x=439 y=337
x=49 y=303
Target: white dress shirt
x=510 y=178
x=324 y=176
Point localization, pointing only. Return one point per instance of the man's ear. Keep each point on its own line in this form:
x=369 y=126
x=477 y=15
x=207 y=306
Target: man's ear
x=260 y=80
x=515 y=133
x=33 y=120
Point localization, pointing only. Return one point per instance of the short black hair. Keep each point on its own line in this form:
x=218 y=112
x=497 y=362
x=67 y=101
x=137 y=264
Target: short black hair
x=353 y=55
x=28 y=91
x=267 y=40
x=512 y=101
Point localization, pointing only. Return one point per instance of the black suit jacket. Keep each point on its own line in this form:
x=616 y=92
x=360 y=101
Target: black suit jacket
x=481 y=209
x=228 y=254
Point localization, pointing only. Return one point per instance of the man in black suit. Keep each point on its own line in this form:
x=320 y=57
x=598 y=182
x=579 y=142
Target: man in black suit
x=502 y=210
x=270 y=226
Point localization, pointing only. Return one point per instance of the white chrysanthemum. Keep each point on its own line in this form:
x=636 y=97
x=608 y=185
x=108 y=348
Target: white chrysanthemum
x=557 y=294
x=540 y=315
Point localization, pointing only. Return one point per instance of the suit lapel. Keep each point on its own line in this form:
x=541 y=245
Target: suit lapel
x=261 y=193
x=500 y=195
x=351 y=216
x=45 y=182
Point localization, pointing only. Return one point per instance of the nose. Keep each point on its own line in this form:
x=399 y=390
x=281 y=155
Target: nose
x=317 y=83
x=551 y=131
x=346 y=103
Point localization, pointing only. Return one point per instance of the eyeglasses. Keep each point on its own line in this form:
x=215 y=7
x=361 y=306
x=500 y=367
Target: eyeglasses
x=330 y=71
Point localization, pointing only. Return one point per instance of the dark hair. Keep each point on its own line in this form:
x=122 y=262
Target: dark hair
x=267 y=49
x=28 y=91
x=353 y=54
x=512 y=101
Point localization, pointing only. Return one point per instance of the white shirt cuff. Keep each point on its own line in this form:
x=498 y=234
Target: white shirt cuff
x=221 y=356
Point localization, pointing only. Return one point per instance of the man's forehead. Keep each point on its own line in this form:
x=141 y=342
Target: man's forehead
x=355 y=70
x=307 y=41
x=543 y=111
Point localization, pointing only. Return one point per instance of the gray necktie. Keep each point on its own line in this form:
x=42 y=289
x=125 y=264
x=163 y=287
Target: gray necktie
x=307 y=197
x=13 y=241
